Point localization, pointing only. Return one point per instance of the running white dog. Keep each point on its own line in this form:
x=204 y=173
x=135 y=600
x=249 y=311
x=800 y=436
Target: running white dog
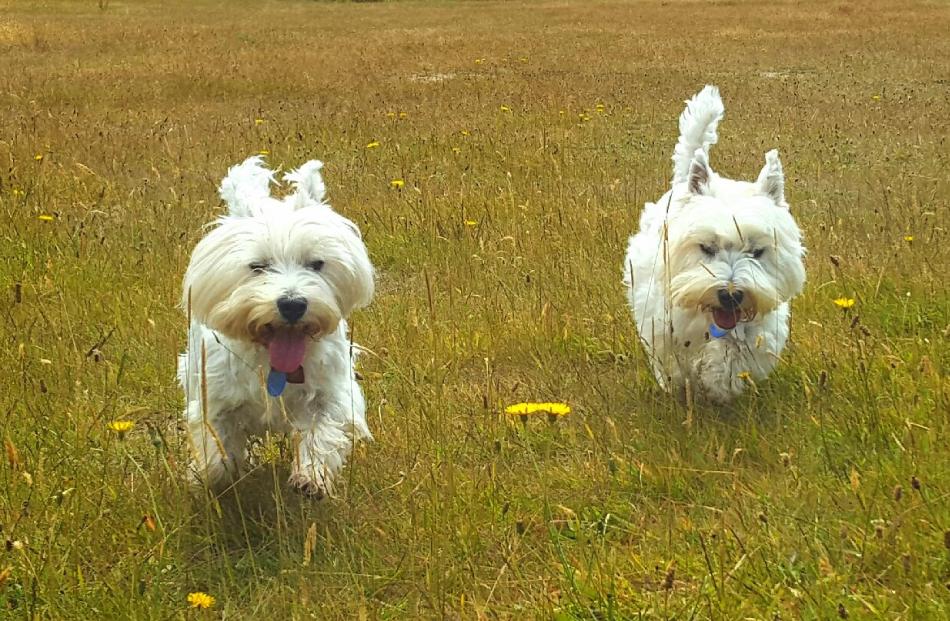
x=268 y=291
x=712 y=270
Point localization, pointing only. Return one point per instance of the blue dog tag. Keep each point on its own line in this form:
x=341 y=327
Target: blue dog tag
x=715 y=331
x=276 y=382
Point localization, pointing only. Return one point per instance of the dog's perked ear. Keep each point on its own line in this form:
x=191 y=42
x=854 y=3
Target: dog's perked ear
x=308 y=182
x=245 y=186
x=699 y=173
x=772 y=179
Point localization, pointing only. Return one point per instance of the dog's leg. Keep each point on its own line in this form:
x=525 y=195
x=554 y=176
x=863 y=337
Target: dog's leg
x=321 y=453
x=764 y=345
x=217 y=447
x=718 y=369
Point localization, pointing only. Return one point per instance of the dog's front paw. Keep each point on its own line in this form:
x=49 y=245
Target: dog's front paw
x=719 y=383
x=306 y=485
x=720 y=395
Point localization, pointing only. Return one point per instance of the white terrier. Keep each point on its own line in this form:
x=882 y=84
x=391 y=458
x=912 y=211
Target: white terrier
x=712 y=270
x=268 y=291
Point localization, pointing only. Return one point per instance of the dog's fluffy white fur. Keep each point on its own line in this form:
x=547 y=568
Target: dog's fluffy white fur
x=711 y=272
x=273 y=283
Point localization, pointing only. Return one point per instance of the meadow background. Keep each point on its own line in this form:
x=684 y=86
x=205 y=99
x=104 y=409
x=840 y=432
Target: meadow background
x=527 y=136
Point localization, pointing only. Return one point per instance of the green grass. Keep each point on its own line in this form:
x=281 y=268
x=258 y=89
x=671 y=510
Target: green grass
x=797 y=502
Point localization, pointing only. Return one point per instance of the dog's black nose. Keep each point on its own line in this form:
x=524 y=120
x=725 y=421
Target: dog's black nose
x=730 y=299
x=292 y=309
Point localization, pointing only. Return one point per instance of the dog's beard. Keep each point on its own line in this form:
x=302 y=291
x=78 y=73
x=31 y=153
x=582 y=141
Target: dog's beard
x=697 y=288
x=256 y=319
x=246 y=309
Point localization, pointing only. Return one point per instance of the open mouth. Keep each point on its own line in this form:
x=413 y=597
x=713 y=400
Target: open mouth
x=287 y=350
x=727 y=318
x=287 y=347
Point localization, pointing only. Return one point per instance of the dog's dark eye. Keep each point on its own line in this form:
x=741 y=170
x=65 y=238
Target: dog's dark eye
x=316 y=265
x=707 y=250
x=758 y=252
x=259 y=267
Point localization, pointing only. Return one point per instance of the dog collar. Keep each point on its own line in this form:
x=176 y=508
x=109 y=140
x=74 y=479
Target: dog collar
x=277 y=380
x=716 y=332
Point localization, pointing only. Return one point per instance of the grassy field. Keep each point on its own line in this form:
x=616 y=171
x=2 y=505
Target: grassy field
x=528 y=135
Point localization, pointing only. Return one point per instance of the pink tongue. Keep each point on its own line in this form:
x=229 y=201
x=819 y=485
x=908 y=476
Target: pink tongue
x=287 y=352
x=725 y=319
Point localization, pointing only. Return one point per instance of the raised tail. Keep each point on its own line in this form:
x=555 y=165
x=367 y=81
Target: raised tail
x=697 y=129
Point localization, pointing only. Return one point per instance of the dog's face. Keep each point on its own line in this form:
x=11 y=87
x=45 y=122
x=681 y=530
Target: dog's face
x=279 y=272
x=734 y=248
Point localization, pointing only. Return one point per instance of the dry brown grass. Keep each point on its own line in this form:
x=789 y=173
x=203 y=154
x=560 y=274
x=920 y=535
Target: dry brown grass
x=784 y=506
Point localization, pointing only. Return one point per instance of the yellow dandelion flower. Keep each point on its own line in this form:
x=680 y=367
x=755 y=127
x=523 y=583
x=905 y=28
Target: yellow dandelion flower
x=523 y=59
x=745 y=376
x=372 y=145
x=505 y=109
x=121 y=426
x=269 y=453
x=38 y=157
x=479 y=61
x=526 y=409
x=456 y=150
x=263 y=152
x=199 y=599
x=562 y=112
x=46 y=217
x=844 y=303
x=403 y=115
x=397 y=183
x=471 y=223
x=601 y=107
x=465 y=132
x=391 y=115
x=876 y=97
x=908 y=238
x=18 y=192
x=258 y=121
